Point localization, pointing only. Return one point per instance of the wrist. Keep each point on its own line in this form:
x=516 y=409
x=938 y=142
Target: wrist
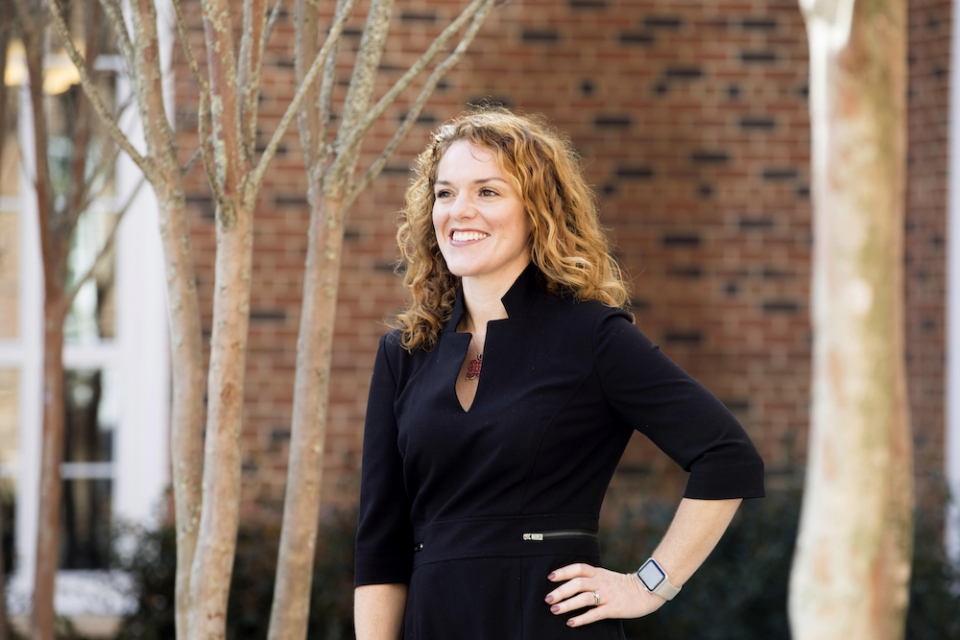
x=655 y=580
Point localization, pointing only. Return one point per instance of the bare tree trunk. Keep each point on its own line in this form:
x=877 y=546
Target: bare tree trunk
x=186 y=338
x=219 y=519
x=48 y=530
x=291 y=604
x=852 y=564
x=213 y=563
x=186 y=420
x=51 y=484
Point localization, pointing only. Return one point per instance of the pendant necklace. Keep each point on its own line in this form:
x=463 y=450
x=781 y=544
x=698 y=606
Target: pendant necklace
x=473 y=369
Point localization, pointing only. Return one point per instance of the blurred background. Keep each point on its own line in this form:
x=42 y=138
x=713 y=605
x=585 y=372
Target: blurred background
x=692 y=120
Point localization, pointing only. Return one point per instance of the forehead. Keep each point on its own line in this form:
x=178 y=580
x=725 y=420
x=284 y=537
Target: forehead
x=464 y=160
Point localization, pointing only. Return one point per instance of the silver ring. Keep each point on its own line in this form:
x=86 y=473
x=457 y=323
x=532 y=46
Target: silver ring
x=596 y=598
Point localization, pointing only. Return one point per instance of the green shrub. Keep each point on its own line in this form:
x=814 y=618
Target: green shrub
x=740 y=592
x=153 y=568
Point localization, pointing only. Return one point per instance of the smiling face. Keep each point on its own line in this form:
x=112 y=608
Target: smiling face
x=479 y=218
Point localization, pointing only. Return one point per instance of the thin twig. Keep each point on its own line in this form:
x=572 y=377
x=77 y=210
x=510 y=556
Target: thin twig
x=261 y=169
x=185 y=169
x=105 y=249
x=418 y=105
x=145 y=164
x=271 y=23
x=323 y=149
x=101 y=171
x=115 y=14
x=188 y=49
x=471 y=11
x=251 y=53
x=206 y=149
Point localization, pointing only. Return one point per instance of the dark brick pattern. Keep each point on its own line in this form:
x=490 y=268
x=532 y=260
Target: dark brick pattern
x=924 y=232
x=692 y=121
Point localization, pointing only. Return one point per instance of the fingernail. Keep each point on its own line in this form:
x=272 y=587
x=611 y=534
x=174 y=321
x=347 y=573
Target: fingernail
x=551 y=576
x=555 y=608
x=548 y=599
x=569 y=623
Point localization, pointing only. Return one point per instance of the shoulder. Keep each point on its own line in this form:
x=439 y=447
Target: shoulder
x=585 y=316
x=400 y=362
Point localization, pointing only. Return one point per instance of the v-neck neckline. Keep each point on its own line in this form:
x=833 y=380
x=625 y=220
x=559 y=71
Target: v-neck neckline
x=519 y=301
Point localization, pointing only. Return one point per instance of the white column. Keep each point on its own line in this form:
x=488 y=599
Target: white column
x=141 y=456
x=952 y=383
x=30 y=343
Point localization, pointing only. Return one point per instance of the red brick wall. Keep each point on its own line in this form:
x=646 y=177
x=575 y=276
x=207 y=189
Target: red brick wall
x=692 y=121
x=925 y=259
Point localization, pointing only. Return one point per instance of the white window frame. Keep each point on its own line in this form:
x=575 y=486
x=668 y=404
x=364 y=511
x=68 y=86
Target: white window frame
x=138 y=354
x=952 y=382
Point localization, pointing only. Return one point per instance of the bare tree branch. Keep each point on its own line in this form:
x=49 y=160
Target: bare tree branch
x=306 y=46
x=271 y=23
x=188 y=50
x=107 y=246
x=192 y=161
x=425 y=93
x=206 y=148
x=251 y=60
x=323 y=149
x=471 y=11
x=97 y=177
x=115 y=13
x=83 y=124
x=357 y=102
x=206 y=145
x=335 y=30
x=146 y=165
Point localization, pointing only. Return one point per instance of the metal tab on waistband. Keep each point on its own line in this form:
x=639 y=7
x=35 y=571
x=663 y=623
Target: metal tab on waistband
x=548 y=535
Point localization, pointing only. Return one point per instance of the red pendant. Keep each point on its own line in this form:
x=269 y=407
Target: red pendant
x=473 y=369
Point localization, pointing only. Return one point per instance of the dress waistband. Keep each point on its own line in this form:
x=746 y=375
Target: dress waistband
x=514 y=536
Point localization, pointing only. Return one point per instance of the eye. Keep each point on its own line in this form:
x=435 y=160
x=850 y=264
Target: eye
x=443 y=193
x=487 y=191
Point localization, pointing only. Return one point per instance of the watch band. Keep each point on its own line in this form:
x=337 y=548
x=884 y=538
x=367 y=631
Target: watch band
x=655 y=580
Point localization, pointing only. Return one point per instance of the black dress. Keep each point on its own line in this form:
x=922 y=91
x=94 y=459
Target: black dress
x=448 y=495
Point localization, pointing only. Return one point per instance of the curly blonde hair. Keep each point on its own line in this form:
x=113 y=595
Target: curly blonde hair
x=567 y=242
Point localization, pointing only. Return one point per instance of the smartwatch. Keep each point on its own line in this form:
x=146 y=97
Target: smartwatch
x=656 y=580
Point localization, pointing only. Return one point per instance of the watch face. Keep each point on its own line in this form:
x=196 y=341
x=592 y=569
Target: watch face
x=651 y=575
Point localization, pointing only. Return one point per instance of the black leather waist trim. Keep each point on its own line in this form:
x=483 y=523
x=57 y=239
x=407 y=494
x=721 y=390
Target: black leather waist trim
x=515 y=536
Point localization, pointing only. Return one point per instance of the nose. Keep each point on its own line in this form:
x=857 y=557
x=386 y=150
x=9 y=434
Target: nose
x=462 y=207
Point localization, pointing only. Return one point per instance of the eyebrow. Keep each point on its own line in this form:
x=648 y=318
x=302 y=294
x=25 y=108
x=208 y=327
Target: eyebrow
x=480 y=181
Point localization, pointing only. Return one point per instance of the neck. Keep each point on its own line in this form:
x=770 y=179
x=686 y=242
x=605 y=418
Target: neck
x=482 y=301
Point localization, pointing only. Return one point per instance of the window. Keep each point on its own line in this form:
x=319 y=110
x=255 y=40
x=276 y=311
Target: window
x=116 y=380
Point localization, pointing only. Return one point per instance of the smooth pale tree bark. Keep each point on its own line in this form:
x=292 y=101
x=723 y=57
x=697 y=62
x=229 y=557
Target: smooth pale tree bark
x=161 y=168
x=332 y=188
x=852 y=564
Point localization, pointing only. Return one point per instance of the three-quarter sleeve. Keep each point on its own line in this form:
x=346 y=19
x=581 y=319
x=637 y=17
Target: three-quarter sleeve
x=385 y=535
x=656 y=397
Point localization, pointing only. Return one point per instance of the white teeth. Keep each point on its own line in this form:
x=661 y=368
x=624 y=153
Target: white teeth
x=467 y=236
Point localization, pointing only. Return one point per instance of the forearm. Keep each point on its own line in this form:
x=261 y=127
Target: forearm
x=378 y=611
x=696 y=529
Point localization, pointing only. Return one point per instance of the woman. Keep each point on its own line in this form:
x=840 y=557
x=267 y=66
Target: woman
x=503 y=401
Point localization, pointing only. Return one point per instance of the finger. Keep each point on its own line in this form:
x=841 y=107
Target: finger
x=580 y=569
x=569 y=589
x=579 y=601
x=593 y=614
